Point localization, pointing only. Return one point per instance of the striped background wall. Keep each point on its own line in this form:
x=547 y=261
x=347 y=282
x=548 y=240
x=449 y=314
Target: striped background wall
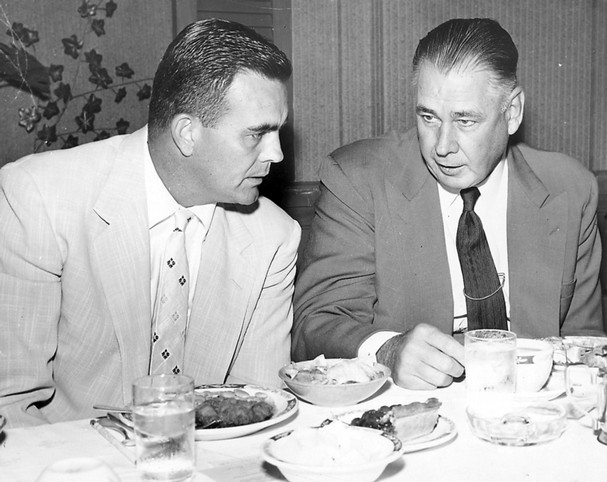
x=352 y=62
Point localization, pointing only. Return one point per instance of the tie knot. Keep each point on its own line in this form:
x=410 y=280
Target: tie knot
x=182 y=216
x=469 y=196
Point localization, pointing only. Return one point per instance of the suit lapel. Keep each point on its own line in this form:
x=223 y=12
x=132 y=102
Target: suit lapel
x=222 y=299
x=419 y=229
x=121 y=255
x=536 y=241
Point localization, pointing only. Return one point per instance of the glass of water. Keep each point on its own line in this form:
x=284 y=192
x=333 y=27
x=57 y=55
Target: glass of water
x=490 y=359
x=163 y=418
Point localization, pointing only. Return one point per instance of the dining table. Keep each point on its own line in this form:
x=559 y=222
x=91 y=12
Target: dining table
x=574 y=456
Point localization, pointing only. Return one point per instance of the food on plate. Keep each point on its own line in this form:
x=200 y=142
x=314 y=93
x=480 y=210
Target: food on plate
x=405 y=421
x=231 y=408
x=323 y=372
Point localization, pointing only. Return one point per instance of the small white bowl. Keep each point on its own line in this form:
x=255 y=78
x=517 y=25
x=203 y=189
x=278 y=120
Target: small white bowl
x=334 y=452
x=338 y=395
x=533 y=364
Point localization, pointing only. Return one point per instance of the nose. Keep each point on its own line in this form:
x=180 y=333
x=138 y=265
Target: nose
x=446 y=143
x=272 y=152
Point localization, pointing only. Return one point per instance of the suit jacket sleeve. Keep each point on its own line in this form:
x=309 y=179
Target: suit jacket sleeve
x=30 y=299
x=581 y=311
x=335 y=290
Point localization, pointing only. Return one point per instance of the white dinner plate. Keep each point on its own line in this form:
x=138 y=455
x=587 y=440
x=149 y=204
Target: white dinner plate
x=285 y=405
x=443 y=432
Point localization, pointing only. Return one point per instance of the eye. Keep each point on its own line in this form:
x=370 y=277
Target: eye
x=466 y=122
x=428 y=118
x=257 y=136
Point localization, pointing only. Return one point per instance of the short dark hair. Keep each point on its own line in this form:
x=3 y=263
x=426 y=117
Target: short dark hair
x=199 y=66
x=470 y=43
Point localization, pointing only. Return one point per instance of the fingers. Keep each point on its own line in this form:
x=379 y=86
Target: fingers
x=426 y=358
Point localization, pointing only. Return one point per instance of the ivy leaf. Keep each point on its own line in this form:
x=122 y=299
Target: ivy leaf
x=56 y=72
x=85 y=121
x=48 y=134
x=102 y=135
x=51 y=110
x=23 y=71
x=93 y=105
x=71 y=141
x=98 y=27
x=122 y=126
x=29 y=117
x=87 y=10
x=110 y=8
x=124 y=71
x=101 y=78
x=121 y=94
x=145 y=92
x=72 y=46
x=63 y=92
x=93 y=59
x=23 y=35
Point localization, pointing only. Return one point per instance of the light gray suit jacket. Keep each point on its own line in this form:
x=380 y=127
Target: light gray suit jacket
x=75 y=305
x=376 y=258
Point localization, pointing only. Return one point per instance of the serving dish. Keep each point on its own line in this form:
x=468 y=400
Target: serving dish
x=333 y=395
x=332 y=452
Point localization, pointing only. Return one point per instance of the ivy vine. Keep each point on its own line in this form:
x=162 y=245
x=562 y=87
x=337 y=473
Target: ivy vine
x=51 y=94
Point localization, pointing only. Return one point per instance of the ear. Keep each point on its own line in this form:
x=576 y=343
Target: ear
x=183 y=132
x=514 y=111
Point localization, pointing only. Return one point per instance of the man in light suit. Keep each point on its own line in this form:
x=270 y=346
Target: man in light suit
x=84 y=229
x=380 y=274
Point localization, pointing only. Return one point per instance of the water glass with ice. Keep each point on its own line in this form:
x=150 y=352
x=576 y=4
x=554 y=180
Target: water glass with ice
x=163 y=418
x=490 y=359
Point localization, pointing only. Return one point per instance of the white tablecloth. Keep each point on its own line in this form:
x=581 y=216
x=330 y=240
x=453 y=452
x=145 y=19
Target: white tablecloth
x=575 y=456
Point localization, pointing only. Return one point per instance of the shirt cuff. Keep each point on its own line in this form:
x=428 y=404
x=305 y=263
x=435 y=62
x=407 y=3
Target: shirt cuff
x=368 y=349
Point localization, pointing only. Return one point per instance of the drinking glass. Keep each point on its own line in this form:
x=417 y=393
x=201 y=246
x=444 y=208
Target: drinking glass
x=78 y=469
x=490 y=359
x=163 y=418
x=586 y=382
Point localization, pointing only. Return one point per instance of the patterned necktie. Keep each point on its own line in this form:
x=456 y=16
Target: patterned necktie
x=482 y=288
x=169 y=322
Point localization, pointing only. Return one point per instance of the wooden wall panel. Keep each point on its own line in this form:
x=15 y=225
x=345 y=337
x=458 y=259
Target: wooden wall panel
x=598 y=124
x=316 y=87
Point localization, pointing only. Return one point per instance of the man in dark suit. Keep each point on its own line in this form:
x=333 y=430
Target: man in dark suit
x=381 y=274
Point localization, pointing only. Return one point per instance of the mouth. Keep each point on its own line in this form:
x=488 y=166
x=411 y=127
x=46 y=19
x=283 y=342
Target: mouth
x=449 y=169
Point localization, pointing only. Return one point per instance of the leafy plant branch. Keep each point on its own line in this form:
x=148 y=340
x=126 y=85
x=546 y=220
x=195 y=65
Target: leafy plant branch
x=51 y=95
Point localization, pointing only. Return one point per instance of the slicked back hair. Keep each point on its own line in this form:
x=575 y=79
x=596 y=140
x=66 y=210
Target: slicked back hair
x=199 y=66
x=468 y=44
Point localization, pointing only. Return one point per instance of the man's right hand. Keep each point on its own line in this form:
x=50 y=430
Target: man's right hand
x=423 y=358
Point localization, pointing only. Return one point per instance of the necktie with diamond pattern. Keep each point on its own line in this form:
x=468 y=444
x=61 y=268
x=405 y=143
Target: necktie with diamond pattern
x=169 y=322
x=482 y=288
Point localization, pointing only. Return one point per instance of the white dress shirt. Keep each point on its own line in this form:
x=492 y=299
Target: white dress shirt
x=491 y=207
x=161 y=207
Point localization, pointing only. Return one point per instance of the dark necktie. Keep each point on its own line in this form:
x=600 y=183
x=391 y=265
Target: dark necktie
x=482 y=288
x=169 y=322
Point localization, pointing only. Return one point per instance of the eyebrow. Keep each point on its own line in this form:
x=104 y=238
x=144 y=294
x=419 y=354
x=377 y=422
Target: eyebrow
x=420 y=109
x=266 y=127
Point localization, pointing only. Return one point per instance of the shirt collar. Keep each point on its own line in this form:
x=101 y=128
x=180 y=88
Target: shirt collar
x=161 y=204
x=490 y=189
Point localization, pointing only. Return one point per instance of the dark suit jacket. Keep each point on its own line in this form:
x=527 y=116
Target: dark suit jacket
x=376 y=257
